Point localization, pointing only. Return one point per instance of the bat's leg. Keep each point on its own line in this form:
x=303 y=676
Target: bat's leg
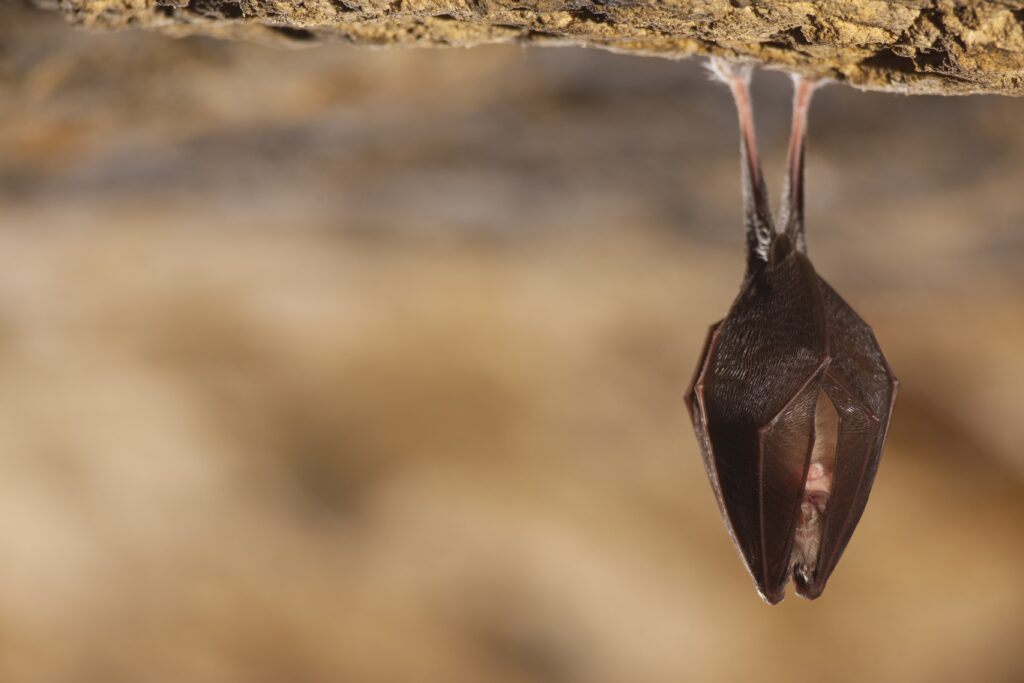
x=755 y=200
x=792 y=214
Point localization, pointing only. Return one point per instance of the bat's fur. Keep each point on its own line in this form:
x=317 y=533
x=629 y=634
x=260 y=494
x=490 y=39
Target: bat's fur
x=817 y=489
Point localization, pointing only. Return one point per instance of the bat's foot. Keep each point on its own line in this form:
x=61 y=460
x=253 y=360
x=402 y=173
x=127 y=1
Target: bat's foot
x=808 y=84
x=728 y=72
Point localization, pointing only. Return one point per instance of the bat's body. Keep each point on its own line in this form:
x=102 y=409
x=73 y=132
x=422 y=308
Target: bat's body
x=792 y=396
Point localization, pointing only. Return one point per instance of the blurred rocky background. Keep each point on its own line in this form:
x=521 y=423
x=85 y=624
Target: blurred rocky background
x=367 y=366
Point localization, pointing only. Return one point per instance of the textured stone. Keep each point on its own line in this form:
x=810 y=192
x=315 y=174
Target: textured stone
x=911 y=46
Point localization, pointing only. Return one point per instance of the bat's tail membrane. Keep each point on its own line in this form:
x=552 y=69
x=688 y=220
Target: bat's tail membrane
x=792 y=212
x=760 y=229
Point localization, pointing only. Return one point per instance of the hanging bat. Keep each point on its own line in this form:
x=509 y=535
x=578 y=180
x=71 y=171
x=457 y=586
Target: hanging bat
x=792 y=397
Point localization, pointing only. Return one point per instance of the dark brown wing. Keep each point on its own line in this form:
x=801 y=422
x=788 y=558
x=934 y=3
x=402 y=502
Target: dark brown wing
x=861 y=386
x=785 y=454
x=694 y=406
x=750 y=404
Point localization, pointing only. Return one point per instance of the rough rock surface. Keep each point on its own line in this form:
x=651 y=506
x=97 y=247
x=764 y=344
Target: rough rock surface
x=912 y=46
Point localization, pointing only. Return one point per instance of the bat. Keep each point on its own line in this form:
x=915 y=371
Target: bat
x=792 y=397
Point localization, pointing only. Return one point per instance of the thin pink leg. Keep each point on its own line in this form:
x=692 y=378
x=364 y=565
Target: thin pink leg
x=793 y=196
x=760 y=230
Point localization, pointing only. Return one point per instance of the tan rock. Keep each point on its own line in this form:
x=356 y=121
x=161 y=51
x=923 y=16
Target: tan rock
x=911 y=46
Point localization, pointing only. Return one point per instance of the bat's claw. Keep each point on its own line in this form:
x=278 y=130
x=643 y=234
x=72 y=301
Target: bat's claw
x=811 y=83
x=730 y=72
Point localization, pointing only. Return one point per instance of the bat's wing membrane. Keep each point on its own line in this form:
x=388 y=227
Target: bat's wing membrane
x=862 y=388
x=785 y=446
x=695 y=405
x=753 y=407
x=855 y=463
